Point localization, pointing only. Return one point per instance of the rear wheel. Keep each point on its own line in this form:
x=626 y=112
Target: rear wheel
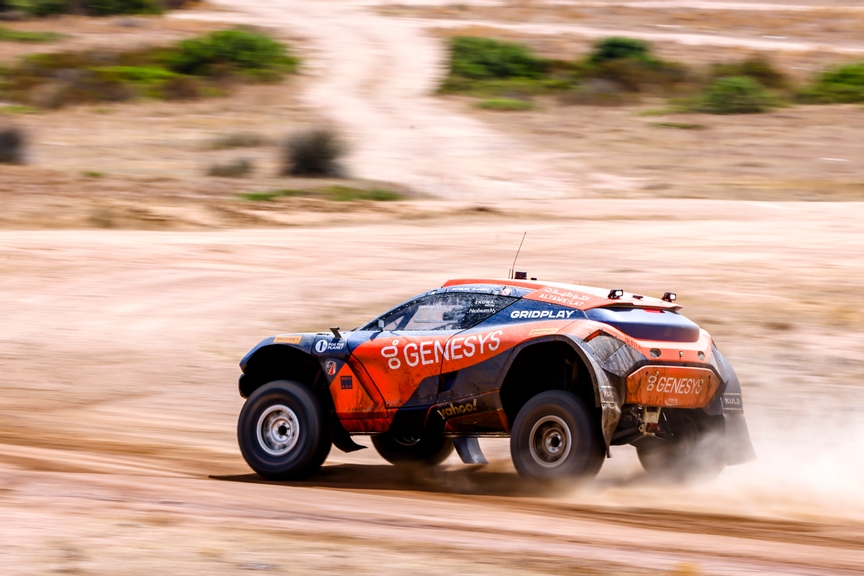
x=692 y=446
x=423 y=450
x=554 y=436
x=283 y=432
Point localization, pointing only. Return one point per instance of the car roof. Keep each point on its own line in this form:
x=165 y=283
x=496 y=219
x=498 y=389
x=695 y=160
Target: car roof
x=571 y=295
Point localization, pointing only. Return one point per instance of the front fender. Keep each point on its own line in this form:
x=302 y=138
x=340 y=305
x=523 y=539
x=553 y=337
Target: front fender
x=302 y=342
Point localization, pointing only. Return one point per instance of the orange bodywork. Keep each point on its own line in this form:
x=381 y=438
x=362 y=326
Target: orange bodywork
x=672 y=386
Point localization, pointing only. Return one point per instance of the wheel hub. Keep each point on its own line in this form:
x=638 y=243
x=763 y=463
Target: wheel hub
x=550 y=441
x=278 y=430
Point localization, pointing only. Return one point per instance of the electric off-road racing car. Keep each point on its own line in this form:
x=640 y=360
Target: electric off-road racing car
x=565 y=371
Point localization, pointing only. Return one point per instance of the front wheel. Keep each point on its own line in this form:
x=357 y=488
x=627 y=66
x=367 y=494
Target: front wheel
x=422 y=450
x=554 y=436
x=283 y=432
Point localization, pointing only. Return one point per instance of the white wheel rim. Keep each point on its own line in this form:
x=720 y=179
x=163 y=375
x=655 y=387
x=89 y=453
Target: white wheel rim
x=278 y=430
x=550 y=442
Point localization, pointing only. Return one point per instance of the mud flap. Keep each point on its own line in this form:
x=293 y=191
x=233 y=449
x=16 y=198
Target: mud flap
x=607 y=398
x=340 y=437
x=469 y=450
x=739 y=448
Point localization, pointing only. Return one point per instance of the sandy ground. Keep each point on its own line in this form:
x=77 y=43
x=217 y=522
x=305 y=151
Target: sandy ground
x=120 y=347
x=119 y=351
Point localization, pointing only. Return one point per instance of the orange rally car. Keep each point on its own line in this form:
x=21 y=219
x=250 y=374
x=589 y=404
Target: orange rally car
x=565 y=371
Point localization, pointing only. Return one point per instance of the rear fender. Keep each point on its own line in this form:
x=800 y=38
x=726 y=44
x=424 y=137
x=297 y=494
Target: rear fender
x=606 y=396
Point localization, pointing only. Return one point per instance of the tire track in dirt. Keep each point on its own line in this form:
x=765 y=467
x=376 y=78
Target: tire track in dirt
x=375 y=78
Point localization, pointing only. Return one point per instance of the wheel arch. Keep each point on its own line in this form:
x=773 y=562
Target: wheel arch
x=278 y=362
x=556 y=352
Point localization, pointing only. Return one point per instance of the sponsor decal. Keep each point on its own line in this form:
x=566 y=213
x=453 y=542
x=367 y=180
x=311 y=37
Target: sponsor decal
x=541 y=331
x=432 y=351
x=287 y=339
x=330 y=367
x=563 y=297
x=456 y=409
x=672 y=385
x=732 y=402
x=506 y=292
x=481 y=310
x=323 y=346
x=544 y=314
x=347 y=382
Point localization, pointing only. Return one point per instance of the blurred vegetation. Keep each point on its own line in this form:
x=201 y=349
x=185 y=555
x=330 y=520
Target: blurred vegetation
x=840 y=85
x=315 y=152
x=12 y=145
x=332 y=193
x=619 y=70
x=91 y=7
x=679 y=125
x=7 y=35
x=231 y=51
x=237 y=140
x=235 y=169
x=205 y=66
x=505 y=104
x=758 y=69
x=734 y=95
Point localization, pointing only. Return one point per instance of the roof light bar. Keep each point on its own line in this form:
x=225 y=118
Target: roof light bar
x=669 y=297
x=615 y=294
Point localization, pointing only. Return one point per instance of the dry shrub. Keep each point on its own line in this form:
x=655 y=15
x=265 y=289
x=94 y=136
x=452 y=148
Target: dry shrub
x=599 y=92
x=315 y=152
x=12 y=144
x=235 y=169
x=238 y=140
x=756 y=68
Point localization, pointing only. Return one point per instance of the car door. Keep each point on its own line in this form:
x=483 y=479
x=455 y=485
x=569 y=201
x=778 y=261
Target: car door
x=404 y=358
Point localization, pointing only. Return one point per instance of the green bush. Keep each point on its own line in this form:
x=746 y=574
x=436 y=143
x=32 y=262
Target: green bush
x=619 y=48
x=108 y=7
x=844 y=84
x=8 y=35
x=56 y=79
x=630 y=65
x=97 y=7
x=505 y=104
x=314 y=152
x=756 y=68
x=47 y=7
x=734 y=95
x=333 y=193
x=231 y=50
x=485 y=58
x=138 y=74
x=12 y=144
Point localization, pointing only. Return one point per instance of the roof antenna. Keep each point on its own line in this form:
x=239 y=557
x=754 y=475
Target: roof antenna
x=513 y=270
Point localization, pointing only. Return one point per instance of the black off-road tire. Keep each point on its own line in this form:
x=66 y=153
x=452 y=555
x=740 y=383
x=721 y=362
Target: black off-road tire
x=283 y=431
x=555 y=437
x=422 y=450
x=695 y=450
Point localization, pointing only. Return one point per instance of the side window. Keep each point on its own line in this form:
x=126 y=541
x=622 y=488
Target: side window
x=448 y=311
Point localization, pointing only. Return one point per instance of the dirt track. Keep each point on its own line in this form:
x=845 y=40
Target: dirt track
x=119 y=352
